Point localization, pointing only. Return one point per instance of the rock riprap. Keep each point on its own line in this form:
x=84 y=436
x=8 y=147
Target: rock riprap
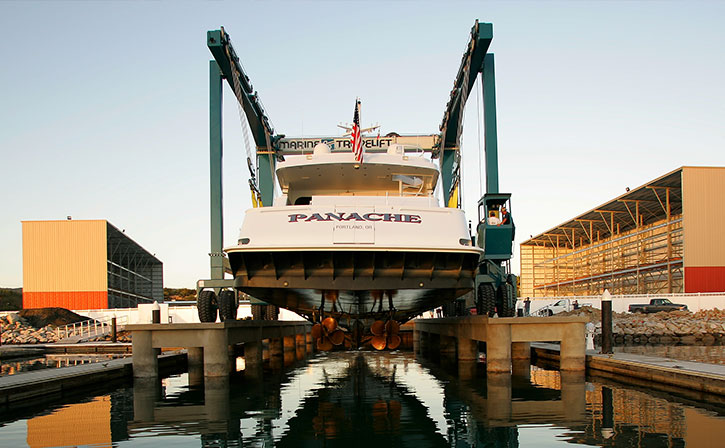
x=17 y=330
x=673 y=326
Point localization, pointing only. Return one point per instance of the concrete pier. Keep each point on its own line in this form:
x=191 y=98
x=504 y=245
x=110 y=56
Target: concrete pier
x=506 y=339
x=209 y=343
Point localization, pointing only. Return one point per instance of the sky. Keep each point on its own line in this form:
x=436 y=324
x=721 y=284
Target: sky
x=104 y=105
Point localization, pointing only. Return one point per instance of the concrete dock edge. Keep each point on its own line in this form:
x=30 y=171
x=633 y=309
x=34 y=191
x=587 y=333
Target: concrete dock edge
x=700 y=377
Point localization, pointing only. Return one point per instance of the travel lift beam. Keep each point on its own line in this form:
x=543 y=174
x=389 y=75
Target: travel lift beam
x=475 y=60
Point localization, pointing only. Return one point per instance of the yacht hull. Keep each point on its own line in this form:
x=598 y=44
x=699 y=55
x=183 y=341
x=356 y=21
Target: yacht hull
x=363 y=284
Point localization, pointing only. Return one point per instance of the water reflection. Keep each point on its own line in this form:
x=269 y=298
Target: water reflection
x=364 y=399
x=15 y=366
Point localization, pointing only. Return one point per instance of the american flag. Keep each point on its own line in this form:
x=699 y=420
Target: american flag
x=355 y=135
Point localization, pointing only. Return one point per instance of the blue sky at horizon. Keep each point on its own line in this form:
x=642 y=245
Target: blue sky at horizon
x=104 y=105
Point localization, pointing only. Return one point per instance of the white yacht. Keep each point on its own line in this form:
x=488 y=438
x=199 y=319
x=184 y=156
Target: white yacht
x=355 y=242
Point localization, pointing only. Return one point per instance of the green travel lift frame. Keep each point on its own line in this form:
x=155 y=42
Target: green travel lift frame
x=494 y=269
x=476 y=61
x=225 y=65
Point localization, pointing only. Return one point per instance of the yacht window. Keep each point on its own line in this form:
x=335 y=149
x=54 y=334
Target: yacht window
x=303 y=200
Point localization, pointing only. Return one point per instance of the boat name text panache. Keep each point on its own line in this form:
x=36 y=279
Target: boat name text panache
x=385 y=217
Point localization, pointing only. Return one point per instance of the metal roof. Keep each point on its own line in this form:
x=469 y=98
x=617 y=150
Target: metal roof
x=649 y=200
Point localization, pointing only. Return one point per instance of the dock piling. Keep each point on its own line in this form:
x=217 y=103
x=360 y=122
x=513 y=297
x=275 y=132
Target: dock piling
x=145 y=361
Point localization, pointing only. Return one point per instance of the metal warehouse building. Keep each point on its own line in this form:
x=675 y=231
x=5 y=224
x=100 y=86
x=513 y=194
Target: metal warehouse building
x=663 y=237
x=86 y=264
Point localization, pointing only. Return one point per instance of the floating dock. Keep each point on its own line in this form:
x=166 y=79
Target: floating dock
x=46 y=384
x=649 y=371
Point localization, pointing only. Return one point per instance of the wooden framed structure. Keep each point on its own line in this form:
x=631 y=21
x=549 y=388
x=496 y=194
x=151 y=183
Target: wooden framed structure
x=662 y=237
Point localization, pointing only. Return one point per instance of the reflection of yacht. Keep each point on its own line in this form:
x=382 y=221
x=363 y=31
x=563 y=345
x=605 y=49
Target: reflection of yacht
x=360 y=240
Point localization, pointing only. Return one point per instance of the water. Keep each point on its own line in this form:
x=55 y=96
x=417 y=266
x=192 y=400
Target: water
x=15 y=366
x=365 y=399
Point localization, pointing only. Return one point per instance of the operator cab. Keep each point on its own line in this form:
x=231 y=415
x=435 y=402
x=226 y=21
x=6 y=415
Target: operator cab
x=496 y=229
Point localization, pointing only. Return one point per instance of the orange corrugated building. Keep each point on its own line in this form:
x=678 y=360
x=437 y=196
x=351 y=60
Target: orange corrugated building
x=86 y=264
x=662 y=237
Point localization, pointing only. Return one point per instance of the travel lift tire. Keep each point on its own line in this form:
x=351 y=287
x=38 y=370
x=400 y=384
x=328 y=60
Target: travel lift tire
x=486 y=300
x=206 y=304
x=265 y=312
x=504 y=301
x=228 y=305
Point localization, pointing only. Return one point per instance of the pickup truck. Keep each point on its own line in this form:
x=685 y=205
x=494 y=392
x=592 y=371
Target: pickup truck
x=559 y=307
x=657 y=305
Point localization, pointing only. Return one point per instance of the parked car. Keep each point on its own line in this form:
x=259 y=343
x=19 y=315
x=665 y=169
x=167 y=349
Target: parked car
x=657 y=305
x=559 y=307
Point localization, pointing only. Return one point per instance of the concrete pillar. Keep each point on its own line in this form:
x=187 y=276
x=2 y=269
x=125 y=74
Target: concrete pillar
x=447 y=347
x=195 y=365
x=309 y=342
x=145 y=361
x=300 y=346
x=424 y=342
x=288 y=344
x=498 y=348
x=216 y=354
x=434 y=346
x=216 y=398
x=146 y=391
x=467 y=350
x=276 y=362
x=573 y=347
x=573 y=395
x=289 y=358
x=521 y=369
x=276 y=347
x=253 y=361
x=416 y=342
x=498 y=396
x=301 y=353
x=467 y=370
x=253 y=353
x=521 y=350
x=300 y=341
x=276 y=352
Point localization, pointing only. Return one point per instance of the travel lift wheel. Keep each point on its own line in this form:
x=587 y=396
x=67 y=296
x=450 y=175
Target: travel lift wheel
x=206 y=304
x=228 y=305
x=486 y=300
x=504 y=301
x=265 y=312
